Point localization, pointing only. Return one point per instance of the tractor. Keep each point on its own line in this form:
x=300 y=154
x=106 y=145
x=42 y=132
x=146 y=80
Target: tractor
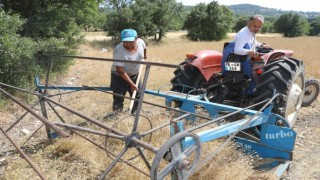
x=227 y=81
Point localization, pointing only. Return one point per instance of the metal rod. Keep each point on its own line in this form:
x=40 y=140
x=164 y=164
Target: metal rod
x=113 y=163
x=164 y=125
x=116 y=60
x=143 y=88
x=33 y=134
x=222 y=117
x=208 y=158
x=20 y=89
x=41 y=118
x=143 y=157
x=98 y=123
x=88 y=130
x=150 y=103
x=121 y=160
x=21 y=117
x=45 y=115
x=36 y=169
x=56 y=112
x=145 y=145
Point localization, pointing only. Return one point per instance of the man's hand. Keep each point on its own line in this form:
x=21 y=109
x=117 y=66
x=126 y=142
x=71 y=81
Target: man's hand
x=263 y=45
x=133 y=87
x=251 y=53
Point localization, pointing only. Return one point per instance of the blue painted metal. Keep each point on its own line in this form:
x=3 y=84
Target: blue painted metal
x=263 y=150
x=197 y=100
x=275 y=141
x=278 y=137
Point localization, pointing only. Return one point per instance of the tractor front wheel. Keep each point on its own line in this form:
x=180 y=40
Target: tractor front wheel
x=311 y=93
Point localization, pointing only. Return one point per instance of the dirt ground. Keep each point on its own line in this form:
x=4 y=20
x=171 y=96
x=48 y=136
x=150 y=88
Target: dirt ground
x=68 y=159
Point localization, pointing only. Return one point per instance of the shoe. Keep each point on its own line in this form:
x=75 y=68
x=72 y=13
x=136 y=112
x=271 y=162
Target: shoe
x=112 y=115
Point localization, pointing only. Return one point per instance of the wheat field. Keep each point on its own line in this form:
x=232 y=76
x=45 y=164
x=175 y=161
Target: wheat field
x=75 y=158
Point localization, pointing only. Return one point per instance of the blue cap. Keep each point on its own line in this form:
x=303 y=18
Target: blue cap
x=128 y=35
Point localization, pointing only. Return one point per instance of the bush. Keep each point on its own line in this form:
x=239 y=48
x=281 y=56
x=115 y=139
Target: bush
x=20 y=57
x=54 y=46
x=17 y=65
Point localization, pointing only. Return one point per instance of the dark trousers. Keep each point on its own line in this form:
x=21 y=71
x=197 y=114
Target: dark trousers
x=121 y=87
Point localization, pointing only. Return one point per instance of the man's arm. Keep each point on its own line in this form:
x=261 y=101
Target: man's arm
x=124 y=75
x=240 y=42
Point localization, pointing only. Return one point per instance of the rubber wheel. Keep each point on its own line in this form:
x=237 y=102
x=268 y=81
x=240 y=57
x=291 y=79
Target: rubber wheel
x=285 y=76
x=182 y=82
x=311 y=92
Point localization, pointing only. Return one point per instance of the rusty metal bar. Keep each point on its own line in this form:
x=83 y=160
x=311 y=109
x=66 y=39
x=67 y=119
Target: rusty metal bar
x=98 y=123
x=20 y=118
x=41 y=118
x=116 y=60
x=36 y=169
x=94 y=121
x=121 y=160
x=150 y=103
x=20 y=89
x=33 y=134
x=104 y=174
x=145 y=145
x=164 y=125
x=89 y=130
x=143 y=88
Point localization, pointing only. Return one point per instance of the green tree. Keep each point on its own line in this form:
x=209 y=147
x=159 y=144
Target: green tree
x=209 y=22
x=195 y=22
x=47 y=18
x=149 y=18
x=291 y=25
x=165 y=16
x=267 y=27
x=17 y=65
x=315 y=27
x=240 y=23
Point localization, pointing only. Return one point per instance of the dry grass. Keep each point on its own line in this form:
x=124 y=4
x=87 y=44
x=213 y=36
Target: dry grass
x=75 y=158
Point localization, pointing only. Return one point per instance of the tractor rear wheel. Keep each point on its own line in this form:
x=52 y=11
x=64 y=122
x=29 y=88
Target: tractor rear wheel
x=286 y=77
x=183 y=78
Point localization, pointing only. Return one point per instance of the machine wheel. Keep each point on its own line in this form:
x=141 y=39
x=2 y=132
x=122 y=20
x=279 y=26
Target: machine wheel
x=114 y=146
x=311 y=92
x=174 y=158
x=286 y=76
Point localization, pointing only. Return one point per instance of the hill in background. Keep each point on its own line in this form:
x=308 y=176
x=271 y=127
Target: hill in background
x=250 y=9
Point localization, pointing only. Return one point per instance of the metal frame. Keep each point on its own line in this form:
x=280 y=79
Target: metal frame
x=274 y=142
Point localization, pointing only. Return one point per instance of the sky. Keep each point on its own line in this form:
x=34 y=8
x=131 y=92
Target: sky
x=295 y=5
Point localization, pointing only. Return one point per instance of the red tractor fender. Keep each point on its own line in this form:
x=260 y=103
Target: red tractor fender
x=276 y=54
x=208 y=62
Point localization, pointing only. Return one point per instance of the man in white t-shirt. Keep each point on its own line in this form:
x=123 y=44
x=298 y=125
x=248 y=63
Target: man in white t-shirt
x=124 y=75
x=247 y=37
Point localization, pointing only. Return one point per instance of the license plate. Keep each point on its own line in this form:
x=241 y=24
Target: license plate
x=232 y=66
